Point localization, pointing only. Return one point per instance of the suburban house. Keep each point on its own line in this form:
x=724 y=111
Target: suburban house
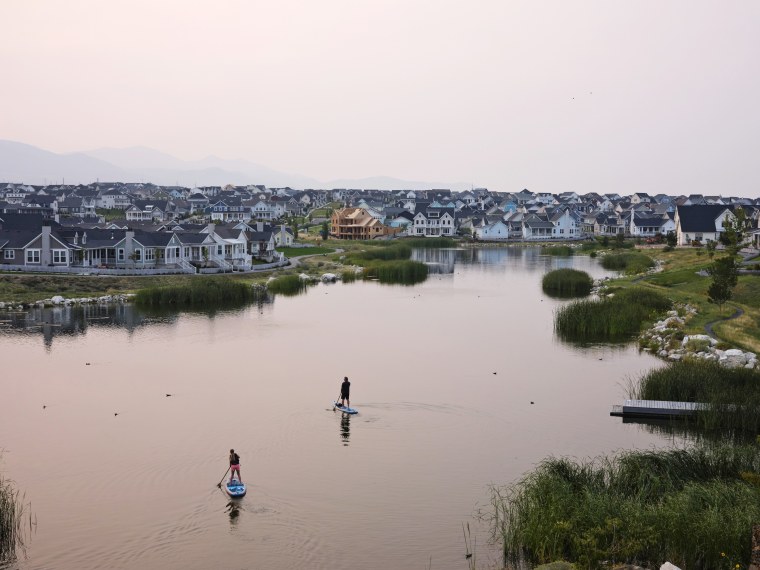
x=643 y=225
x=433 y=222
x=701 y=223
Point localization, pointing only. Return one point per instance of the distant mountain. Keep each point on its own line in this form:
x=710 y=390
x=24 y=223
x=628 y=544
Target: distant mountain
x=28 y=164
x=31 y=165
x=389 y=183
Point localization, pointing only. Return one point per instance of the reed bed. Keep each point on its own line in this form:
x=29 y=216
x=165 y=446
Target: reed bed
x=692 y=507
x=566 y=283
x=433 y=242
x=396 y=250
x=732 y=395
x=11 y=515
x=611 y=319
x=348 y=276
x=630 y=262
x=557 y=250
x=287 y=285
x=201 y=292
x=402 y=272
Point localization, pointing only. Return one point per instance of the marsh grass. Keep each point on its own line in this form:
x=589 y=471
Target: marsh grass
x=288 y=285
x=201 y=292
x=611 y=319
x=642 y=507
x=732 y=395
x=630 y=262
x=396 y=250
x=566 y=283
x=402 y=272
x=433 y=242
x=348 y=276
x=12 y=516
x=557 y=250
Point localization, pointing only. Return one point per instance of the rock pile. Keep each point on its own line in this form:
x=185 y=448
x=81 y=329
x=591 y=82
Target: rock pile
x=666 y=339
x=58 y=300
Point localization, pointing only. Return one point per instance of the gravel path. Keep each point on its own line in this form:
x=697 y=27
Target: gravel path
x=709 y=326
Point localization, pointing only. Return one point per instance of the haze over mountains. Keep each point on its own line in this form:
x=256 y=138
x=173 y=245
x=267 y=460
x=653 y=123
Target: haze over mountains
x=28 y=164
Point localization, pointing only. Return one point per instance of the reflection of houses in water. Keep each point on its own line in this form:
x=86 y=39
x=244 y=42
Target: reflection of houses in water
x=74 y=320
x=437 y=260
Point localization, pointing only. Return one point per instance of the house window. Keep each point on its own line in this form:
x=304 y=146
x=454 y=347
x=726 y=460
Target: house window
x=219 y=250
x=150 y=254
x=9 y=254
x=32 y=255
x=138 y=254
x=59 y=256
x=121 y=254
x=187 y=252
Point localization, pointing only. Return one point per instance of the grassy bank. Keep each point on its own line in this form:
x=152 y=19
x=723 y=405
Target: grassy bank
x=629 y=262
x=692 y=507
x=566 y=283
x=610 y=319
x=557 y=250
x=287 y=285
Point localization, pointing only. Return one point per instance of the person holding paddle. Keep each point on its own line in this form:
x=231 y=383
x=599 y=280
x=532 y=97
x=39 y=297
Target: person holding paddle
x=345 y=389
x=234 y=465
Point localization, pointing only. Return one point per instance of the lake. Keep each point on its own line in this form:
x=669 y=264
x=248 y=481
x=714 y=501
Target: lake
x=460 y=384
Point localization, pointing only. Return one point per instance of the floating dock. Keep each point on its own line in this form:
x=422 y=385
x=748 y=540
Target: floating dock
x=656 y=409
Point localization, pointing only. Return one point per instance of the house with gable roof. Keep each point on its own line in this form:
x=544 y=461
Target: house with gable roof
x=701 y=223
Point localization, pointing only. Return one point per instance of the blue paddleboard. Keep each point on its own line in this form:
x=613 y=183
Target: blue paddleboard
x=345 y=409
x=235 y=488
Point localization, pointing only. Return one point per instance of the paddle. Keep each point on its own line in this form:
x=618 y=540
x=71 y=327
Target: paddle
x=336 y=403
x=223 y=476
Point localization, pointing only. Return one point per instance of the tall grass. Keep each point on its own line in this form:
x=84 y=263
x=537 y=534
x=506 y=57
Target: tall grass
x=348 y=276
x=567 y=283
x=432 y=242
x=202 y=292
x=557 y=250
x=631 y=262
x=11 y=515
x=403 y=272
x=287 y=285
x=641 y=507
x=611 y=319
x=396 y=250
x=732 y=395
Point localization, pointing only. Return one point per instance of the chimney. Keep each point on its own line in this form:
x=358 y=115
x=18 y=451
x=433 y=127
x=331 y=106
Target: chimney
x=46 y=256
x=259 y=226
x=211 y=227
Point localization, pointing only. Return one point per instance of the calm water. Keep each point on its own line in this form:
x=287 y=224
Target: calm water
x=459 y=382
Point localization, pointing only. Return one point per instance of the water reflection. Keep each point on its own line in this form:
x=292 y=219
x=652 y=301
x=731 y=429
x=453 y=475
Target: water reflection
x=233 y=511
x=75 y=320
x=345 y=428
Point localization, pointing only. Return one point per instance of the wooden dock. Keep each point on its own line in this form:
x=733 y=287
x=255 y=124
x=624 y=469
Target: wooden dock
x=656 y=409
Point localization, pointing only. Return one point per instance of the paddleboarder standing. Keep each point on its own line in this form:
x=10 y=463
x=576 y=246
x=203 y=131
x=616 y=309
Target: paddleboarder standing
x=234 y=465
x=345 y=389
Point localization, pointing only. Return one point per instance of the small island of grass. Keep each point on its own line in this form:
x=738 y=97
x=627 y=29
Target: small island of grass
x=567 y=283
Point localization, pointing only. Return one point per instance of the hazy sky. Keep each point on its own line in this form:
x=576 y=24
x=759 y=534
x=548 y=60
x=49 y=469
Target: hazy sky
x=625 y=96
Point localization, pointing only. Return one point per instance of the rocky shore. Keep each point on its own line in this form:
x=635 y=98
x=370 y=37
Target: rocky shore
x=58 y=301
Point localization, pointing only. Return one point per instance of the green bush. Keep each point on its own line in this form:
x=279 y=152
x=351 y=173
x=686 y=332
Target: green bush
x=402 y=272
x=567 y=283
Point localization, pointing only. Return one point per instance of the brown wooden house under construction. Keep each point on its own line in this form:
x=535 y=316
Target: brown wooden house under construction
x=357 y=223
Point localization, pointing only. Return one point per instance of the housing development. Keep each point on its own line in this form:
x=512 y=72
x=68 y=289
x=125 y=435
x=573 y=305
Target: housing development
x=143 y=227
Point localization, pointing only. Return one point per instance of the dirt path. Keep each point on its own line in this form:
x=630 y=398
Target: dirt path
x=709 y=326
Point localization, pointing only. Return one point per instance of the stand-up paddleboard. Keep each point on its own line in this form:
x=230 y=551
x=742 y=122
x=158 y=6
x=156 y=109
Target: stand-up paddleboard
x=235 y=488
x=344 y=409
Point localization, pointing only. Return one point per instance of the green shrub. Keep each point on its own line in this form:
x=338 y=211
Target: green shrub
x=567 y=283
x=402 y=272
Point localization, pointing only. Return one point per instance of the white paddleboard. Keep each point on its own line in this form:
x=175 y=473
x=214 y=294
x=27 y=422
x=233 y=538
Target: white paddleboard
x=235 y=488
x=344 y=409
